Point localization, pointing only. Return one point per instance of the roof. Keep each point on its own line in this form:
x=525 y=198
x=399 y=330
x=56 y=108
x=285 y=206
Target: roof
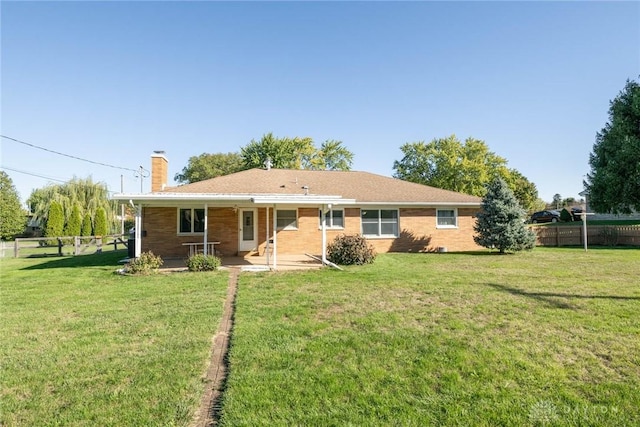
x=363 y=187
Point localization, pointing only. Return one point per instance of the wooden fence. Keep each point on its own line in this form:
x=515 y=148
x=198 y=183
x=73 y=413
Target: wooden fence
x=61 y=246
x=605 y=235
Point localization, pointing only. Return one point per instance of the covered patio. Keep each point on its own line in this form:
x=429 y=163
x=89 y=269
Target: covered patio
x=253 y=263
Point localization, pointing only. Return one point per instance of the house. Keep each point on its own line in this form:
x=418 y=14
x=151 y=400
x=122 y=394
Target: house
x=281 y=211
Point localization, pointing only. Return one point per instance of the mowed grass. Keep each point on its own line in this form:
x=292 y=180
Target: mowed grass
x=82 y=346
x=549 y=337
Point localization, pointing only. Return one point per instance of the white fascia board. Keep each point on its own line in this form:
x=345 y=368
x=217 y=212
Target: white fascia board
x=181 y=197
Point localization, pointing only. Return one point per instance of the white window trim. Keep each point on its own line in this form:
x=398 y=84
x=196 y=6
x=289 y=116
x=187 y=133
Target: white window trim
x=329 y=219
x=380 y=236
x=188 y=233
x=455 y=217
x=288 y=227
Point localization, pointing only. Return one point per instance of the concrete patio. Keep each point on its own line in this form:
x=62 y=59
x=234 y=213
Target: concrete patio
x=253 y=263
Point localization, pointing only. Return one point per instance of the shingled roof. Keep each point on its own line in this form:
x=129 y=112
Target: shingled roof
x=364 y=187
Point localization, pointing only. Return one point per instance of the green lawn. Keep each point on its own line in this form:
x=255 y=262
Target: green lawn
x=550 y=337
x=82 y=346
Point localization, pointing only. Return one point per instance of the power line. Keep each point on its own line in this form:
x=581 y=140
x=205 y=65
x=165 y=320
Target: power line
x=43 y=176
x=72 y=157
x=32 y=174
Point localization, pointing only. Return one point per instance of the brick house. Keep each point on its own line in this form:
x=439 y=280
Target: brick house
x=282 y=211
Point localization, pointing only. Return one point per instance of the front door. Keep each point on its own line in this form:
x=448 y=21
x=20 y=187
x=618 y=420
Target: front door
x=248 y=230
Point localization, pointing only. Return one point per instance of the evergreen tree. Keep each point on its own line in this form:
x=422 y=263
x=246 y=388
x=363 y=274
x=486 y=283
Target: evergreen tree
x=74 y=223
x=12 y=216
x=87 y=227
x=55 y=220
x=100 y=226
x=500 y=225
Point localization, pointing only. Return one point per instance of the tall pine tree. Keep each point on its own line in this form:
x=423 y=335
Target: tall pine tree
x=500 y=224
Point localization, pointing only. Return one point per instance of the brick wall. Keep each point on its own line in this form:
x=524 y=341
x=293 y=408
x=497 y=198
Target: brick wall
x=418 y=232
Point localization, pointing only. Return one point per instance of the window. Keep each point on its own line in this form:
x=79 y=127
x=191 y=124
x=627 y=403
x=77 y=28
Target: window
x=334 y=218
x=379 y=222
x=446 y=218
x=191 y=221
x=287 y=219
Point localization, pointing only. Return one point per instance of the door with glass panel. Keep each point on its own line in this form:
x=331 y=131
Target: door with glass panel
x=247 y=230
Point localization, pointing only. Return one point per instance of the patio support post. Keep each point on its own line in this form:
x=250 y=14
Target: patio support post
x=266 y=245
x=138 y=234
x=323 y=216
x=275 y=245
x=206 y=228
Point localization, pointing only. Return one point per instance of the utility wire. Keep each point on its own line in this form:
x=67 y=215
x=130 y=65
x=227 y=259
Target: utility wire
x=70 y=156
x=32 y=174
x=43 y=176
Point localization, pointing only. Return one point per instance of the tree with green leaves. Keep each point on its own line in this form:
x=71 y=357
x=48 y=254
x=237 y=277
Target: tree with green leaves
x=13 y=218
x=500 y=224
x=101 y=227
x=206 y=166
x=283 y=153
x=87 y=226
x=614 y=181
x=84 y=192
x=331 y=155
x=54 y=225
x=557 y=200
x=73 y=227
x=466 y=167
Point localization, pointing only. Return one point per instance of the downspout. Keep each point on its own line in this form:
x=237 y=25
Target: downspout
x=206 y=228
x=138 y=234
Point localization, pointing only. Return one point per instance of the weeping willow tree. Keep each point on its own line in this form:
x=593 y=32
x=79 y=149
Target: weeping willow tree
x=89 y=196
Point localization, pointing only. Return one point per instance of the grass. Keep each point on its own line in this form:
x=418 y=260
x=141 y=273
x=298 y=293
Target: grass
x=83 y=346
x=550 y=337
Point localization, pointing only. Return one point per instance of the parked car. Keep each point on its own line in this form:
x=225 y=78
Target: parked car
x=545 y=216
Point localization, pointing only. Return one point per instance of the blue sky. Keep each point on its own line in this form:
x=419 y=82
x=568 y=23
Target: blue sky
x=113 y=81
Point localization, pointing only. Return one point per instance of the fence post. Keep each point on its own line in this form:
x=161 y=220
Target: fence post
x=557 y=236
x=99 y=244
x=59 y=246
x=76 y=243
x=16 y=248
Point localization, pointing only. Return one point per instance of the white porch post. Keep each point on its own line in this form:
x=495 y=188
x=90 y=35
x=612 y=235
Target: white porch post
x=266 y=245
x=324 y=234
x=275 y=245
x=206 y=228
x=138 y=234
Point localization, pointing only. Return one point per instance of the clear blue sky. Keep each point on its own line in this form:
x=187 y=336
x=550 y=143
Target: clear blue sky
x=113 y=81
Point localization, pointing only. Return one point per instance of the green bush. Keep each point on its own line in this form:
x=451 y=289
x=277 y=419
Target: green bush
x=146 y=263
x=350 y=250
x=565 y=215
x=201 y=262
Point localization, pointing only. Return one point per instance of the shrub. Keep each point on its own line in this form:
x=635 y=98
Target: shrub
x=201 y=262
x=146 y=263
x=565 y=215
x=350 y=250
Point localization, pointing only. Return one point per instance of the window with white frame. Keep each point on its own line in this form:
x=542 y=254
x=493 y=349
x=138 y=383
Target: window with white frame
x=190 y=220
x=379 y=222
x=334 y=218
x=446 y=218
x=287 y=219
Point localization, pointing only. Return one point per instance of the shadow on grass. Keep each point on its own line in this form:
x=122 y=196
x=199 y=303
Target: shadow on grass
x=552 y=298
x=104 y=259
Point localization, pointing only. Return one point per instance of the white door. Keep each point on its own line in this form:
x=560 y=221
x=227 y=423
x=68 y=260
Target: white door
x=248 y=230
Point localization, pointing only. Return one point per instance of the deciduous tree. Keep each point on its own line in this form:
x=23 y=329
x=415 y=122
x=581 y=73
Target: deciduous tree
x=466 y=167
x=614 y=180
x=500 y=224
x=12 y=217
x=206 y=166
x=283 y=153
